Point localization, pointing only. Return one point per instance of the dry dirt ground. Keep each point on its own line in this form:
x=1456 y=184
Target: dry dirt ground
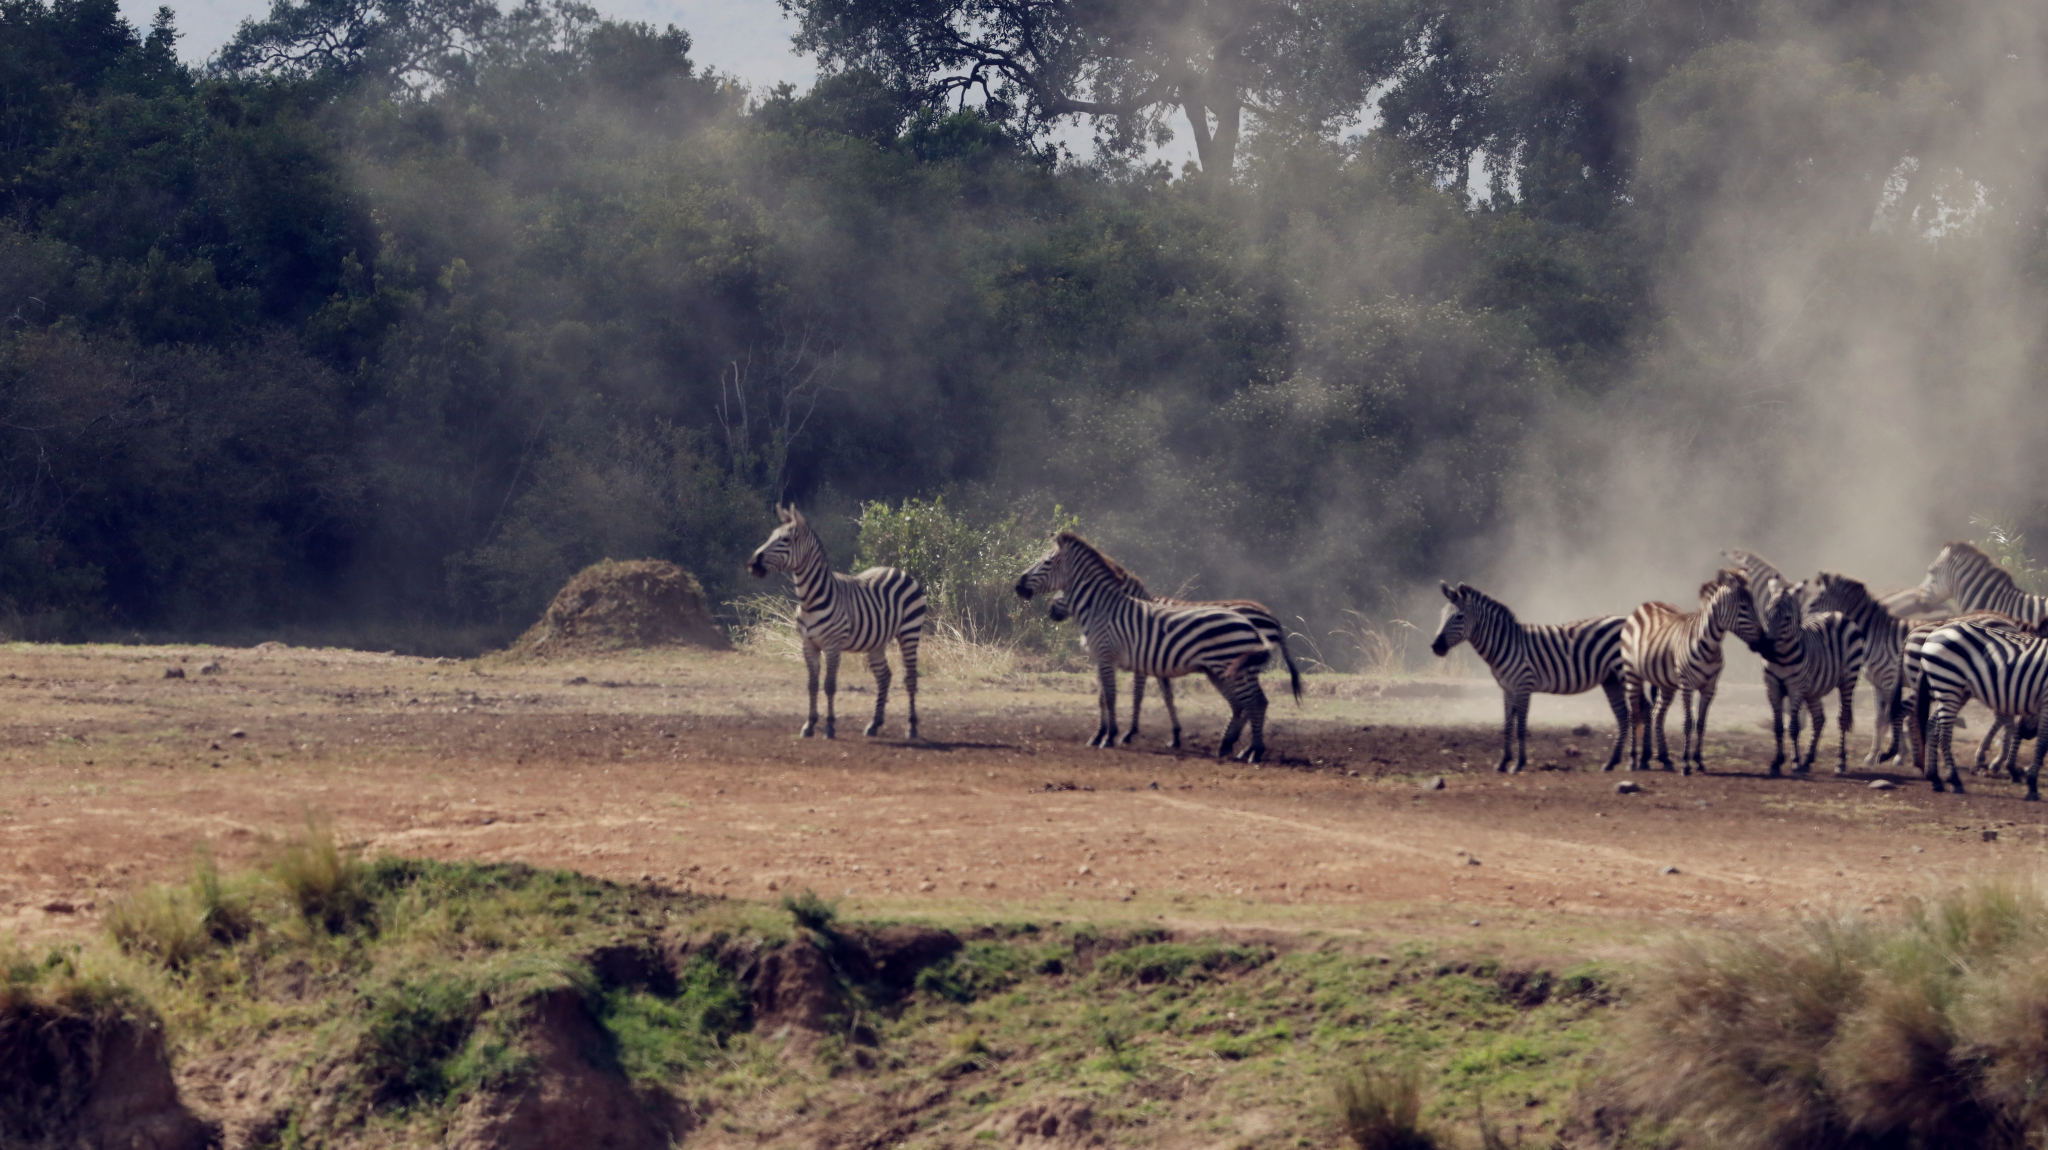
x=684 y=769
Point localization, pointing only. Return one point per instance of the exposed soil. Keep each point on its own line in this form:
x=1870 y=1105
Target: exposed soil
x=613 y=605
x=683 y=768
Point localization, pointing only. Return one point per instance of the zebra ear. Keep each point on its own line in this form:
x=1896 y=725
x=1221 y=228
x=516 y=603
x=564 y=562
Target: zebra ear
x=782 y=511
x=1448 y=593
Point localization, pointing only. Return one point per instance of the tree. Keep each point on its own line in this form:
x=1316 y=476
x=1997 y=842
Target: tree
x=409 y=46
x=1124 y=65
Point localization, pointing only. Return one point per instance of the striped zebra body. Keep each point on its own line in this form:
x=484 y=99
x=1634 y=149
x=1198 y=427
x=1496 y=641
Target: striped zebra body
x=1811 y=654
x=1884 y=652
x=1675 y=653
x=1765 y=580
x=1526 y=659
x=1976 y=582
x=1912 y=667
x=1259 y=614
x=840 y=613
x=2004 y=667
x=1147 y=638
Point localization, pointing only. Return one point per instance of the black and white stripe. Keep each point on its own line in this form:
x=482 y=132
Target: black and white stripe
x=1977 y=583
x=1811 y=654
x=1911 y=664
x=1884 y=652
x=1667 y=653
x=1528 y=658
x=2005 y=667
x=1148 y=638
x=1258 y=613
x=845 y=613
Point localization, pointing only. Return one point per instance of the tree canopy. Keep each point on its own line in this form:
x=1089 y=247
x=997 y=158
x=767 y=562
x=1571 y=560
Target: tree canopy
x=398 y=315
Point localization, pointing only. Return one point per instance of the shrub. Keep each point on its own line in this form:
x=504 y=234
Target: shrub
x=810 y=911
x=1381 y=1109
x=329 y=885
x=1929 y=1030
x=969 y=570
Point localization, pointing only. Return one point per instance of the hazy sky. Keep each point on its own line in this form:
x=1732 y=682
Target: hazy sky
x=746 y=38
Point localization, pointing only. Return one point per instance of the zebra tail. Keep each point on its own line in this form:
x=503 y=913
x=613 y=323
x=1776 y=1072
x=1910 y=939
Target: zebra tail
x=1293 y=672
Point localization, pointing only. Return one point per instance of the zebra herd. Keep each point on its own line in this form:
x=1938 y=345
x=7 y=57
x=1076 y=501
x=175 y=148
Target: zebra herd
x=1229 y=641
x=1815 y=637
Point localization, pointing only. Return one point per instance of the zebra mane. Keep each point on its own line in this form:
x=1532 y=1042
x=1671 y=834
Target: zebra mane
x=1854 y=596
x=1116 y=570
x=1726 y=577
x=1964 y=549
x=1481 y=599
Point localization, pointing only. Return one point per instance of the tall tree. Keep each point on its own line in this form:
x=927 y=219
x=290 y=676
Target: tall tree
x=1124 y=65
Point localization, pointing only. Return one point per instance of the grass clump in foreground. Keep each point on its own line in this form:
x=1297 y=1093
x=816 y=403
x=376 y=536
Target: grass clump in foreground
x=1925 y=1031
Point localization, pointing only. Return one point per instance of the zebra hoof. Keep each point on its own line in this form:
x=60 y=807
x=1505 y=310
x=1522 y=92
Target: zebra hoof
x=2032 y=797
x=809 y=729
x=873 y=730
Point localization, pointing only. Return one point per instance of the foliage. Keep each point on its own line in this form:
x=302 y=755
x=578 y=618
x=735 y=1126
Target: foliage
x=1921 y=1030
x=809 y=910
x=1381 y=1109
x=969 y=570
x=408 y=309
x=2008 y=548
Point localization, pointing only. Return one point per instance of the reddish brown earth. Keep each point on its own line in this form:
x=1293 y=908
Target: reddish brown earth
x=685 y=769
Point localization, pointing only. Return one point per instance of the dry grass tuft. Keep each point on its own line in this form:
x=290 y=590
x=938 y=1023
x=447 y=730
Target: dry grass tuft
x=948 y=650
x=1381 y=1109
x=1929 y=1030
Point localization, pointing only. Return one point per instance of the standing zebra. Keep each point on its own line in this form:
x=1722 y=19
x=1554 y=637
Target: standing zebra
x=1148 y=638
x=1677 y=653
x=1261 y=616
x=1811 y=654
x=2004 y=667
x=1765 y=580
x=1884 y=652
x=845 y=613
x=1555 y=659
x=1912 y=665
x=1977 y=583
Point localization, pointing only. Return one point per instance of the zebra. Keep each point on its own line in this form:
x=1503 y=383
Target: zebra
x=1912 y=664
x=2004 y=667
x=1555 y=659
x=1764 y=579
x=1977 y=583
x=1811 y=654
x=1884 y=646
x=1261 y=616
x=1148 y=638
x=845 y=613
x=1672 y=652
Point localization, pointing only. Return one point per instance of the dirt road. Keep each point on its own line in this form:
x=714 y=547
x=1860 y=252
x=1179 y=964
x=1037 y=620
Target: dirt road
x=685 y=770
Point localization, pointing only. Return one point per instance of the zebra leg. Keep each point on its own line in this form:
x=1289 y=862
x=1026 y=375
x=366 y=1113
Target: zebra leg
x=1848 y=692
x=1816 y=708
x=1522 y=736
x=1507 y=733
x=1137 y=701
x=1892 y=703
x=878 y=662
x=811 y=674
x=1944 y=732
x=1638 y=720
x=908 y=646
x=1236 y=714
x=1173 y=716
x=1256 y=704
x=1617 y=700
x=1699 y=731
x=1105 y=700
x=1663 y=711
x=1774 y=691
x=2040 y=748
x=2010 y=760
x=831 y=692
x=1999 y=726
